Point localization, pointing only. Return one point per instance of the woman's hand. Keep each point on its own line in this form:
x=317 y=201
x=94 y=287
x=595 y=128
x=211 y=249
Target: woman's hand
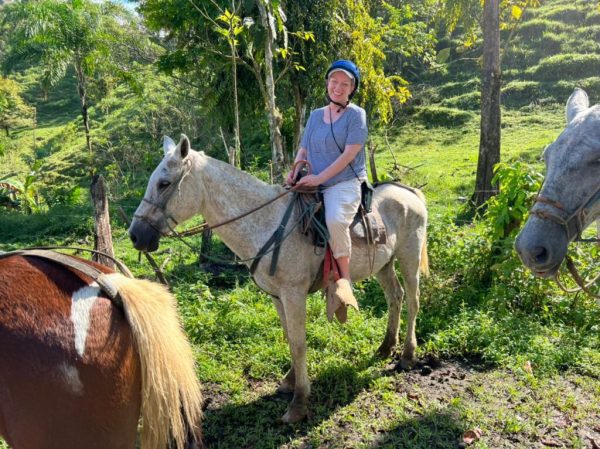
x=309 y=181
x=290 y=178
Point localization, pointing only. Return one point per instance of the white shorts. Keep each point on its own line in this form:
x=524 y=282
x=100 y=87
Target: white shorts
x=341 y=204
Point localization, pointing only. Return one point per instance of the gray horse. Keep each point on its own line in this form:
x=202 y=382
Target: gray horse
x=570 y=197
x=187 y=183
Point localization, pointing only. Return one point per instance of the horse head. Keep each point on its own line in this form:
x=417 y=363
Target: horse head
x=169 y=197
x=569 y=200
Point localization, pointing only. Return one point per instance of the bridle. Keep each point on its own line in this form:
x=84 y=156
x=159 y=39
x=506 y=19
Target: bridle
x=573 y=225
x=167 y=193
x=161 y=202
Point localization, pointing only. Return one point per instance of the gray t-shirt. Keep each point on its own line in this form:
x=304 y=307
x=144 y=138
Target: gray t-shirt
x=349 y=129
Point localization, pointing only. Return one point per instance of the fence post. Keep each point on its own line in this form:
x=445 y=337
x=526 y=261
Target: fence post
x=102 y=231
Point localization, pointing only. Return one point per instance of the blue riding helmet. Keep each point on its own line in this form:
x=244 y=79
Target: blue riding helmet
x=350 y=68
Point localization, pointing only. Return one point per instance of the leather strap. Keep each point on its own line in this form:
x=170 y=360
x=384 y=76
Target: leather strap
x=78 y=265
x=275 y=239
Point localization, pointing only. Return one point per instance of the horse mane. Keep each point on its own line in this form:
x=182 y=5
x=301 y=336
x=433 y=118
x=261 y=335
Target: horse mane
x=171 y=396
x=243 y=177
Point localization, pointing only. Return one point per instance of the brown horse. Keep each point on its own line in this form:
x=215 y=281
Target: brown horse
x=76 y=370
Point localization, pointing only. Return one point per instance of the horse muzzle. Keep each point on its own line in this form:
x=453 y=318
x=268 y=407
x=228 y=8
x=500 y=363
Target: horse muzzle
x=143 y=236
x=542 y=246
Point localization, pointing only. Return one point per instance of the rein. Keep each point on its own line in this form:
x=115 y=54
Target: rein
x=272 y=245
x=583 y=285
x=573 y=226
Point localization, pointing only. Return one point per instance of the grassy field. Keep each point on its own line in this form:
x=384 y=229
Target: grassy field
x=521 y=368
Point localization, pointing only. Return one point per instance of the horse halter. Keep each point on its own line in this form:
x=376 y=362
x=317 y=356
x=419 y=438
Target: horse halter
x=573 y=224
x=161 y=203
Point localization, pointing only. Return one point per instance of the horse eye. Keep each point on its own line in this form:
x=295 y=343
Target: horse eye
x=163 y=184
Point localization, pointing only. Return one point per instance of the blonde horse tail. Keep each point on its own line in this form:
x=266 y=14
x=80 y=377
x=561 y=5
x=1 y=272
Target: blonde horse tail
x=171 y=396
x=424 y=266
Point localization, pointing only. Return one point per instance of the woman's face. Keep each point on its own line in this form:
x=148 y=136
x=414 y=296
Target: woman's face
x=339 y=87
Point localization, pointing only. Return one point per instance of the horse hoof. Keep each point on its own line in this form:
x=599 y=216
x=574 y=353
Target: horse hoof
x=294 y=415
x=285 y=388
x=384 y=351
x=407 y=363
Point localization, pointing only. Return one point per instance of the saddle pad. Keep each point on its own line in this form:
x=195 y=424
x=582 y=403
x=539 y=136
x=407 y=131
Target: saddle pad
x=368 y=228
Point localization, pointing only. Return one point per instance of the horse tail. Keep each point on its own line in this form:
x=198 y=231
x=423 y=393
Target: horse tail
x=171 y=396
x=424 y=266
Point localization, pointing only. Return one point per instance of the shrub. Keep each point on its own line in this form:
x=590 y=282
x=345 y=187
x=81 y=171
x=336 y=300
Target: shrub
x=534 y=30
x=460 y=87
x=582 y=46
x=520 y=93
x=585 y=33
x=470 y=101
x=568 y=66
x=588 y=84
x=593 y=17
x=518 y=185
x=565 y=14
x=440 y=116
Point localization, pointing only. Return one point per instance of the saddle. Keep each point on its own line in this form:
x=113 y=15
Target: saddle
x=368 y=228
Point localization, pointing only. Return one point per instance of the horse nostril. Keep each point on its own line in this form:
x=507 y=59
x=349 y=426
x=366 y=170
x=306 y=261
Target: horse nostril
x=133 y=238
x=539 y=254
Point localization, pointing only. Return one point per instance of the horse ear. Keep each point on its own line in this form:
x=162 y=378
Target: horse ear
x=184 y=146
x=577 y=102
x=168 y=145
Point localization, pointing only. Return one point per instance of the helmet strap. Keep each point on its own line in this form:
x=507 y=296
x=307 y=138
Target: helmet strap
x=341 y=105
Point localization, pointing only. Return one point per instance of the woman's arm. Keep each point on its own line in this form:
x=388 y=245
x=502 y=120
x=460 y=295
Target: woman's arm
x=345 y=158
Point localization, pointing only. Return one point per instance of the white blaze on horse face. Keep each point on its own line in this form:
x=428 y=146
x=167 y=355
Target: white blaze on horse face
x=83 y=301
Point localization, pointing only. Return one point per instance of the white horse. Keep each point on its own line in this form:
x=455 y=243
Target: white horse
x=570 y=198
x=187 y=183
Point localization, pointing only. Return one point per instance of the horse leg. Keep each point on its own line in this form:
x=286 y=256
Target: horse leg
x=295 y=316
x=289 y=380
x=410 y=273
x=393 y=294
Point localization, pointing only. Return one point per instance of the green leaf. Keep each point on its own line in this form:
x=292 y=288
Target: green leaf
x=443 y=55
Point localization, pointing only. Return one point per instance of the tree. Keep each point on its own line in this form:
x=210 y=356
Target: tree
x=366 y=31
x=465 y=12
x=262 y=49
x=233 y=27
x=14 y=111
x=489 y=140
x=63 y=34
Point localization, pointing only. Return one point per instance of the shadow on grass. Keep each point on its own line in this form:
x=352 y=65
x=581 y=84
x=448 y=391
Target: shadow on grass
x=258 y=424
x=433 y=430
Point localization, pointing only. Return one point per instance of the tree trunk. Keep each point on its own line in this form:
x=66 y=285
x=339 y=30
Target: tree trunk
x=206 y=246
x=300 y=109
x=81 y=90
x=275 y=118
x=102 y=232
x=236 y=157
x=489 y=143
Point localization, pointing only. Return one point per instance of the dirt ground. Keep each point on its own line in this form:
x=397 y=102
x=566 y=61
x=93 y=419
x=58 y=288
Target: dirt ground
x=438 y=404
